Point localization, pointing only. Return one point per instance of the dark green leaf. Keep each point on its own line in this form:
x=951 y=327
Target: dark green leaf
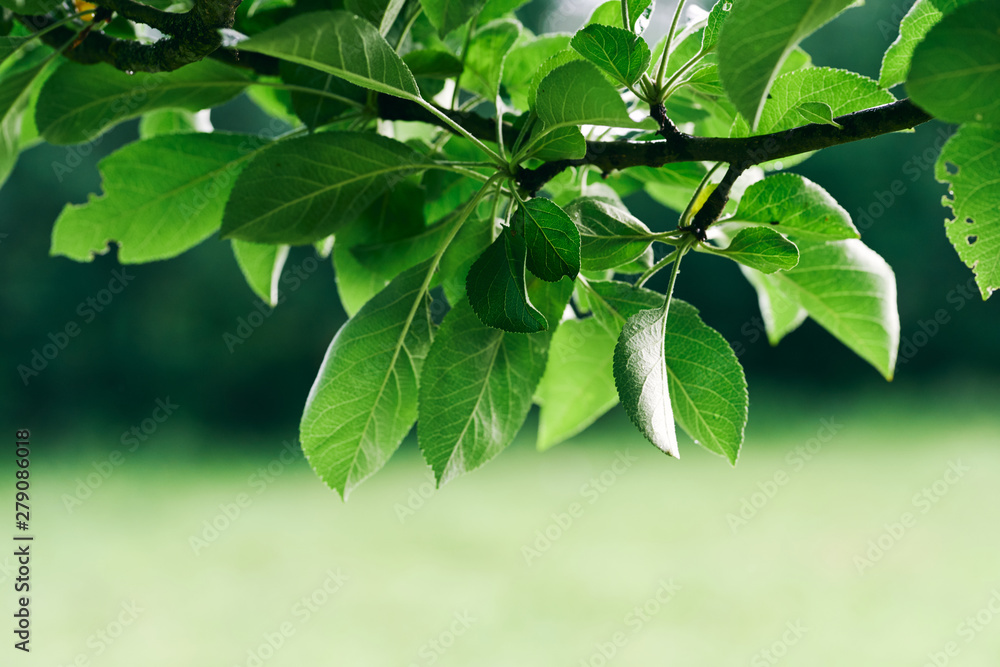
x=756 y=39
x=316 y=110
x=10 y=44
x=380 y=13
x=610 y=236
x=364 y=399
x=341 y=44
x=433 y=64
x=552 y=239
x=477 y=384
x=80 y=102
x=955 y=72
x=304 y=189
x=497 y=290
x=759 y=248
x=162 y=196
x=970 y=163
x=620 y=52
x=30 y=7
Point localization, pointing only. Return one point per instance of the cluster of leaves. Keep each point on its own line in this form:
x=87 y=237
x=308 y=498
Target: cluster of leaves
x=544 y=296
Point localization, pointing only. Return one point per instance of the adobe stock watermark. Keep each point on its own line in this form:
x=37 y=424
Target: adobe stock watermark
x=291 y=280
x=432 y=650
x=100 y=641
x=910 y=345
x=301 y=612
x=230 y=512
x=416 y=498
x=590 y=492
x=131 y=440
x=922 y=502
x=633 y=623
x=967 y=631
x=779 y=648
x=87 y=310
x=795 y=460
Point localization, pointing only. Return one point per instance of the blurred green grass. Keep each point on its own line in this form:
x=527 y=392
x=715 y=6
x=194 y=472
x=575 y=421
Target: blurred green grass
x=461 y=552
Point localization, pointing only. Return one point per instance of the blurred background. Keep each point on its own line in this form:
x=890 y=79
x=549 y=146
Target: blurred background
x=860 y=526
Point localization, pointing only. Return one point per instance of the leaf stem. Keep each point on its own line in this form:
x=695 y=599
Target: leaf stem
x=408 y=26
x=676 y=75
x=665 y=56
x=685 y=218
x=310 y=91
x=461 y=130
x=673 y=274
x=653 y=270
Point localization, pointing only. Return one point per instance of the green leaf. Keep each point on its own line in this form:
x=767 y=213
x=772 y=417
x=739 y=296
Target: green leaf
x=172 y=121
x=484 y=61
x=607 y=13
x=578 y=385
x=818 y=112
x=553 y=241
x=162 y=196
x=472 y=240
x=851 y=292
x=10 y=44
x=318 y=110
x=716 y=19
x=955 y=72
x=610 y=236
x=380 y=13
x=913 y=28
x=757 y=38
x=341 y=44
x=497 y=290
x=364 y=399
x=782 y=314
x=261 y=265
x=446 y=15
x=477 y=384
x=30 y=7
x=843 y=91
x=433 y=64
x=558 y=60
x=639 y=12
x=759 y=248
x=304 y=189
x=620 y=52
x=522 y=64
x=559 y=102
x=797 y=207
x=494 y=9
x=564 y=143
x=395 y=214
x=970 y=164
x=16 y=86
x=81 y=102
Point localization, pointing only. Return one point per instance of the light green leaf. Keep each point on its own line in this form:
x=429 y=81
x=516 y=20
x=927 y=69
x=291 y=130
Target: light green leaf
x=556 y=61
x=341 y=44
x=261 y=265
x=16 y=88
x=782 y=314
x=818 y=112
x=843 y=91
x=553 y=241
x=172 y=121
x=578 y=385
x=10 y=44
x=162 y=196
x=613 y=302
x=797 y=207
x=955 y=72
x=564 y=143
x=495 y=9
x=639 y=12
x=851 y=292
x=640 y=371
x=522 y=64
x=610 y=236
x=484 y=61
x=913 y=28
x=576 y=94
x=970 y=164
x=716 y=19
x=446 y=15
x=472 y=240
x=607 y=13
x=620 y=52
x=759 y=248
x=396 y=213
x=477 y=384
x=364 y=399
x=757 y=38
x=497 y=289
x=380 y=13
x=304 y=189
x=81 y=102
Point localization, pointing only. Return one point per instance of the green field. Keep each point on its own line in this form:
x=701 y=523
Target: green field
x=653 y=569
